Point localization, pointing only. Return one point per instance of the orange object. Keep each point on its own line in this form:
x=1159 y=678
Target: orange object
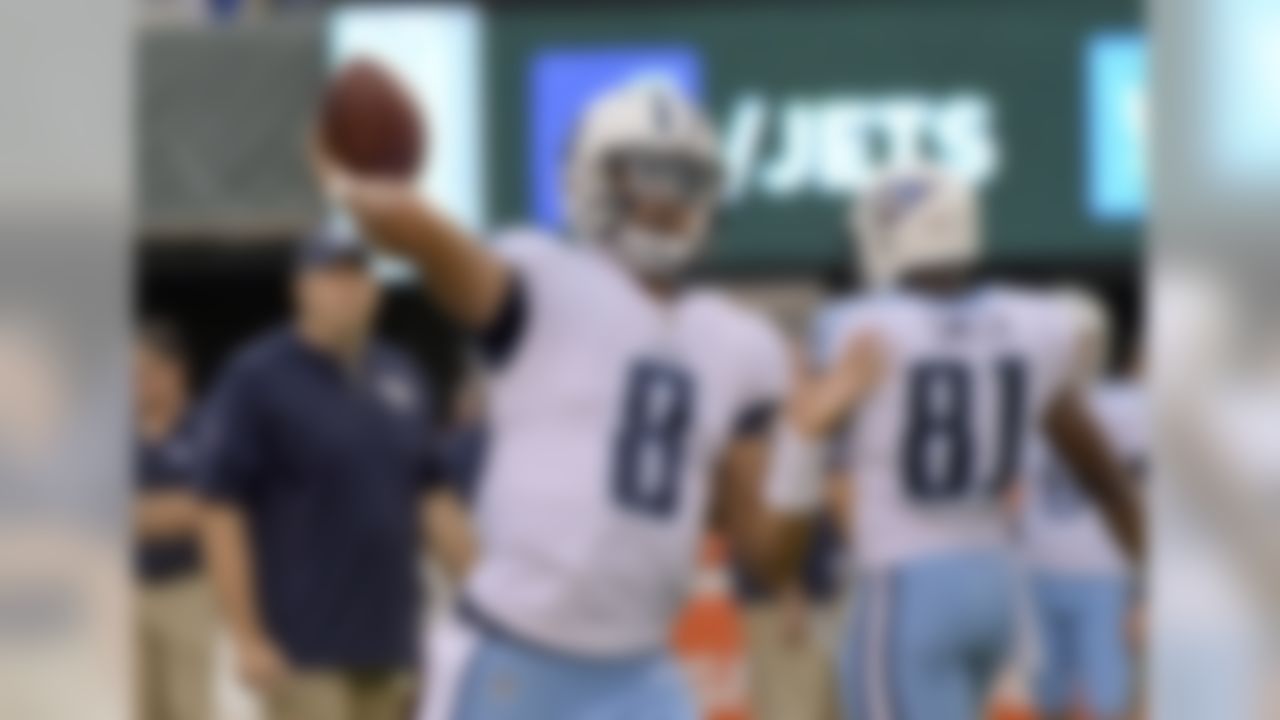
x=709 y=641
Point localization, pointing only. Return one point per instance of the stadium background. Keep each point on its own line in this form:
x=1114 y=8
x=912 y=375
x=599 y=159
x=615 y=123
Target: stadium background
x=1041 y=102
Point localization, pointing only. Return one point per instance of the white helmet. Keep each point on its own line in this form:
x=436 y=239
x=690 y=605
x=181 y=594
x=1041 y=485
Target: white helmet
x=1091 y=326
x=915 y=219
x=643 y=141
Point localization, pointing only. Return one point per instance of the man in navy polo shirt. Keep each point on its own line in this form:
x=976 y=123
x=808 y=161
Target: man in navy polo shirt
x=318 y=474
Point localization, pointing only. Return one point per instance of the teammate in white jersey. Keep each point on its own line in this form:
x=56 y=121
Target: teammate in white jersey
x=1080 y=580
x=938 y=380
x=625 y=410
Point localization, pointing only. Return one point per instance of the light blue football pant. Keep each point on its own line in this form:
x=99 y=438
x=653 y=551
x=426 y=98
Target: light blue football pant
x=476 y=674
x=1081 y=620
x=928 y=638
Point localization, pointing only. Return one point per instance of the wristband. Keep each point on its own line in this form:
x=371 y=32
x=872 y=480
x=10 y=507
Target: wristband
x=794 y=483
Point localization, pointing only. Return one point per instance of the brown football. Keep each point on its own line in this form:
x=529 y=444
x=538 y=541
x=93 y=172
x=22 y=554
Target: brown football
x=370 y=122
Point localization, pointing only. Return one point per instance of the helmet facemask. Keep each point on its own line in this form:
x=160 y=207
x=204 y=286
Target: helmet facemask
x=656 y=209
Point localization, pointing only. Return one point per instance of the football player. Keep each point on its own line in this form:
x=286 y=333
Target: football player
x=1080 y=581
x=624 y=405
x=937 y=379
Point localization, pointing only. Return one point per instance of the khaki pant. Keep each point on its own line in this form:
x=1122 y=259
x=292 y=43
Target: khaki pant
x=791 y=672
x=342 y=695
x=175 y=650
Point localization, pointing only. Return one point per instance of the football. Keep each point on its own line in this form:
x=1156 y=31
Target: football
x=370 y=122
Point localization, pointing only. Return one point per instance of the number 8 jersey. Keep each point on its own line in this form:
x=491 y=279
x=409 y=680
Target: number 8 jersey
x=607 y=420
x=936 y=446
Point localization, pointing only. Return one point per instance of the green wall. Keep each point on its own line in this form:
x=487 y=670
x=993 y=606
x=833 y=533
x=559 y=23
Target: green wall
x=1024 y=59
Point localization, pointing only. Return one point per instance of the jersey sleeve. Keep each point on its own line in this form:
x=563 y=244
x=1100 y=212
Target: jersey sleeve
x=1058 y=342
x=1121 y=408
x=767 y=377
x=533 y=259
x=821 y=336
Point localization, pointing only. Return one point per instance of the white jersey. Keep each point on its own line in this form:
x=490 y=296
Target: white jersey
x=936 y=445
x=607 y=422
x=1063 y=532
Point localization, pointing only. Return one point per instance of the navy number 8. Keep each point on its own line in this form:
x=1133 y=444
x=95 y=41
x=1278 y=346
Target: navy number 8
x=649 y=449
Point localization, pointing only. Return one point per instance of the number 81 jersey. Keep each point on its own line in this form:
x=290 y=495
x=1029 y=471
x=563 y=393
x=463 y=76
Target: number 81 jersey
x=607 y=420
x=939 y=441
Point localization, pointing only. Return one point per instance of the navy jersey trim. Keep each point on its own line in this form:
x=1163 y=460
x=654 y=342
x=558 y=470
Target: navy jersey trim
x=756 y=420
x=483 y=622
x=500 y=340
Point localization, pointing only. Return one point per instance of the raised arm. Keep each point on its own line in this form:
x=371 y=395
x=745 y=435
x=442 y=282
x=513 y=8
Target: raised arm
x=467 y=279
x=772 y=483
x=1075 y=435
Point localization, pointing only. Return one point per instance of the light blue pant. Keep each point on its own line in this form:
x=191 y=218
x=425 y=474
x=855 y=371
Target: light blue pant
x=928 y=638
x=506 y=679
x=1086 y=654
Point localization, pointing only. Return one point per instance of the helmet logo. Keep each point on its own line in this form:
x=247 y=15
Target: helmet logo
x=900 y=200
